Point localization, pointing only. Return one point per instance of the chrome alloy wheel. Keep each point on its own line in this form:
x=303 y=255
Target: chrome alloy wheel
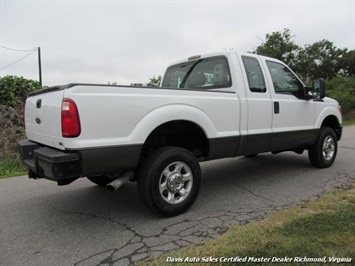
x=175 y=183
x=328 y=149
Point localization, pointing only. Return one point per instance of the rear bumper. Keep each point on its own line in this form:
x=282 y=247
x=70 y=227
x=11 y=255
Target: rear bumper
x=48 y=163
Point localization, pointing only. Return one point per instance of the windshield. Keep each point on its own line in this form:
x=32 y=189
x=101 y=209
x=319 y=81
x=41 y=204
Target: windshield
x=208 y=73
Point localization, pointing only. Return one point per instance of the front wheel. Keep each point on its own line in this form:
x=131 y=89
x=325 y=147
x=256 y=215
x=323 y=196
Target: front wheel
x=169 y=180
x=323 y=152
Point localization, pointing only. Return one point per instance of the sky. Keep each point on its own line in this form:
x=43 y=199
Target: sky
x=131 y=41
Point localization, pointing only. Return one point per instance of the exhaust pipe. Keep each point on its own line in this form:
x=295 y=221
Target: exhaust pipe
x=119 y=182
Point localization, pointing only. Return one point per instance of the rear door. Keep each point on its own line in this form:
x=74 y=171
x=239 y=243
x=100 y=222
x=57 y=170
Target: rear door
x=259 y=106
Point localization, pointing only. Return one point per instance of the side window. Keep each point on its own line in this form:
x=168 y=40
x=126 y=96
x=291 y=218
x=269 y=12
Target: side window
x=285 y=82
x=255 y=75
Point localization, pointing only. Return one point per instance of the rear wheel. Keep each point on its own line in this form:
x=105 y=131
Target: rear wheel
x=323 y=152
x=169 y=180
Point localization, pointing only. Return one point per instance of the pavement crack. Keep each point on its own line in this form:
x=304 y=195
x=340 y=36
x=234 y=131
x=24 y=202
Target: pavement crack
x=254 y=194
x=176 y=228
x=90 y=215
x=99 y=258
x=344 y=147
x=112 y=220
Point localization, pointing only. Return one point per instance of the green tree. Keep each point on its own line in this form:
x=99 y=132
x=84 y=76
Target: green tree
x=347 y=64
x=14 y=90
x=154 y=81
x=343 y=90
x=280 y=45
x=321 y=59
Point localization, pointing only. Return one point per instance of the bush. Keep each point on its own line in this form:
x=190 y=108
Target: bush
x=341 y=83
x=13 y=90
x=11 y=130
x=13 y=93
x=343 y=90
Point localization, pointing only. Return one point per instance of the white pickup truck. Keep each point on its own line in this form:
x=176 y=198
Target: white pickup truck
x=208 y=107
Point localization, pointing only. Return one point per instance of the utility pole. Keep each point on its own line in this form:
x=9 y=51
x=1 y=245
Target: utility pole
x=39 y=66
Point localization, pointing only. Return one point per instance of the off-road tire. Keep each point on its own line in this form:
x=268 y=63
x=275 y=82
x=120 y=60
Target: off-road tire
x=169 y=180
x=323 y=152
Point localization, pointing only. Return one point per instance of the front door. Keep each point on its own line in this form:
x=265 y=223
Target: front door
x=292 y=116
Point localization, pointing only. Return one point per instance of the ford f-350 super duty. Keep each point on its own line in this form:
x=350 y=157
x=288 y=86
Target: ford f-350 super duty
x=208 y=107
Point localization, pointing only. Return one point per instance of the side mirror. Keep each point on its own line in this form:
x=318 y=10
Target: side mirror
x=318 y=88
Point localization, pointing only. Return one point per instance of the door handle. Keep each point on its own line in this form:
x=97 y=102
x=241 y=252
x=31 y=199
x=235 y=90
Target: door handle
x=276 y=107
x=38 y=103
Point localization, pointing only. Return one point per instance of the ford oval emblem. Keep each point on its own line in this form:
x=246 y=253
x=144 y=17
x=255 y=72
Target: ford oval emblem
x=38 y=120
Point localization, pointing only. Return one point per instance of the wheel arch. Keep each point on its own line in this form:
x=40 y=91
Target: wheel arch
x=330 y=117
x=179 y=133
x=333 y=122
x=178 y=125
x=169 y=113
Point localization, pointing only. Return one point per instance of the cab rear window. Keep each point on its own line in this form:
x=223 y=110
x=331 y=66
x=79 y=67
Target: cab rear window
x=206 y=73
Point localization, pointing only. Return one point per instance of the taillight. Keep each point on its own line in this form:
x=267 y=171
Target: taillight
x=70 y=119
x=23 y=116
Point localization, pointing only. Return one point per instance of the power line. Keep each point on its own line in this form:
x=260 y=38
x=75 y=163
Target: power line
x=22 y=58
x=33 y=51
x=17 y=50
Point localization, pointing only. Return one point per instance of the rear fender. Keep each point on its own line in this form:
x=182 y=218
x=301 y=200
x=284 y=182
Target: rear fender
x=168 y=113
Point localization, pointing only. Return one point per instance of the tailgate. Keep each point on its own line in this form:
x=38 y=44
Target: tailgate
x=43 y=117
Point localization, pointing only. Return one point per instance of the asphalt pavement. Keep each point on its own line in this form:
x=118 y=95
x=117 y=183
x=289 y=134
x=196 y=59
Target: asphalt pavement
x=83 y=224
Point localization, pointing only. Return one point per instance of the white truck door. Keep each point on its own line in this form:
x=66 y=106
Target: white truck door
x=293 y=116
x=259 y=106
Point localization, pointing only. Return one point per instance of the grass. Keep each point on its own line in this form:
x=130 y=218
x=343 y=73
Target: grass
x=11 y=166
x=325 y=228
